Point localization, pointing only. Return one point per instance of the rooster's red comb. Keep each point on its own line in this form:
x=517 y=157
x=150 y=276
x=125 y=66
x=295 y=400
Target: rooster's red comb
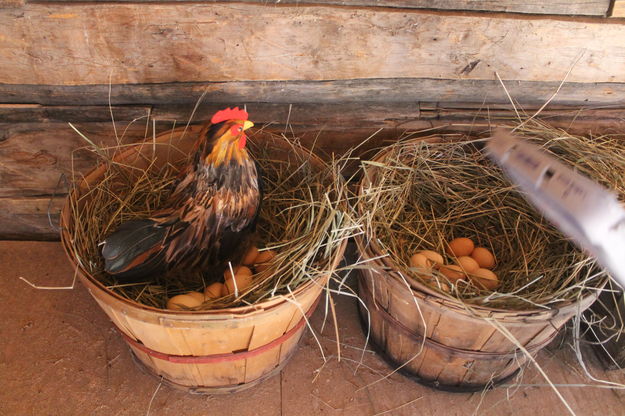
x=229 y=114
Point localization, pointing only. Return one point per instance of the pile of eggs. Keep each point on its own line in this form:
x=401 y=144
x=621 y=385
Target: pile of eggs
x=236 y=280
x=469 y=263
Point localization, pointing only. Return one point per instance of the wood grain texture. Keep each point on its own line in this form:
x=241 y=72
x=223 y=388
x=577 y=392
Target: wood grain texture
x=35 y=155
x=619 y=9
x=576 y=7
x=463 y=351
x=36 y=113
x=348 y=116
x=94 y=43
x=377 y=90
x=6 y=4
x=27 y=218
x=445 y=365
x=208 y=334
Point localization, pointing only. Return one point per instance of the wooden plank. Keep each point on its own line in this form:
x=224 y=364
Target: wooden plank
x=618 y=10
x=319 y=115
x=341 y=115
x=4 y=4
x=389 y=114
x=576 y=7
x=30 y=113
x=406 y=90
x=258 y=366
x=27 y=218
x=98 y=43
x=34 y=156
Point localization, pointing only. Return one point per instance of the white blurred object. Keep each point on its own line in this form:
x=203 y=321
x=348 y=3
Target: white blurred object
x=582 y=209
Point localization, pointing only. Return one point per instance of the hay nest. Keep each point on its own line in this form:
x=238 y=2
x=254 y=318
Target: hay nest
x=418 y=194
x=302 y=218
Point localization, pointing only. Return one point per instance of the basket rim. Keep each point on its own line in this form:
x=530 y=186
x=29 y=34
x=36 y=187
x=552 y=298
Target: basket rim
x=388 y=265
x=238 y=311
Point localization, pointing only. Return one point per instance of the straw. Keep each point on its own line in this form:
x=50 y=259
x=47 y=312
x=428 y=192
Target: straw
x=302 y=218
x=419 y=194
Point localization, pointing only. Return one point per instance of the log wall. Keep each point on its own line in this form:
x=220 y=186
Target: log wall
x=335 y=71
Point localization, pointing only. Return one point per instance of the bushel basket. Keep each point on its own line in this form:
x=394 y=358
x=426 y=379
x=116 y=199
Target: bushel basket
x=204 y=351
x=429 y=332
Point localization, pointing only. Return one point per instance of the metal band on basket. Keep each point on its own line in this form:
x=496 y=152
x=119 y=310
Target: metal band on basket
x=220 y=358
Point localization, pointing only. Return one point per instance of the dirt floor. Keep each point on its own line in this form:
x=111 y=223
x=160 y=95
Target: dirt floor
x=59 y=355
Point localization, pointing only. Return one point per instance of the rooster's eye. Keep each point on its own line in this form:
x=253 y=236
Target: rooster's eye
x=235 y=130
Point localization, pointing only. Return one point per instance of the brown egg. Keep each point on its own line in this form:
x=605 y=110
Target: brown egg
x=186 y=301
x=452 y=271
x=265 y=256
x=433 y=256
x=459 y=247
x=467 y=264
x=483 y=257
x=237 y=270
x=228 y=273
x=243 y=270
x=263 y=260
x=485 y=279
x=243 y=281
x=250 y=256
x=420 y=261
x=197 y=295
x=213 y=291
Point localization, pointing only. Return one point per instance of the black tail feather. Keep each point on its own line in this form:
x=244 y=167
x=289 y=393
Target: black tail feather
x=135 y=250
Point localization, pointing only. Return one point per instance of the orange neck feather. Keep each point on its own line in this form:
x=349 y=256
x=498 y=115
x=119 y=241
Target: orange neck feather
x=225 y=151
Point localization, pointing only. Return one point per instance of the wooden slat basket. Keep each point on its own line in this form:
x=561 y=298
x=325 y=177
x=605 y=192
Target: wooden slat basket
x=436 y=339
x=208 y=351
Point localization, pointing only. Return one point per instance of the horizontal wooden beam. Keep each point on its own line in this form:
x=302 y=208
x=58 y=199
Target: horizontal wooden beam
x=34 y=156
x=387 y=114
x=573 y=7
x=348 y=114
x=38 y=159
x=92 y=43
x=408 y=90
x=314 y=116
x=27 y=218
x=30 y=113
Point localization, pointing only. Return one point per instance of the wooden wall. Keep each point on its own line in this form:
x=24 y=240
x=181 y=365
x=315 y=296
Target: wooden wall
x=336 y=70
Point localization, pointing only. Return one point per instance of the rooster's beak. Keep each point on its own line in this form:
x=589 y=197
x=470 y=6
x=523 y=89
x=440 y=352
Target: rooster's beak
x=247 y=124
x=243 y=138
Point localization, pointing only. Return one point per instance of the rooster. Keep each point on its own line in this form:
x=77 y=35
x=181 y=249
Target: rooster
x=210 y=217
